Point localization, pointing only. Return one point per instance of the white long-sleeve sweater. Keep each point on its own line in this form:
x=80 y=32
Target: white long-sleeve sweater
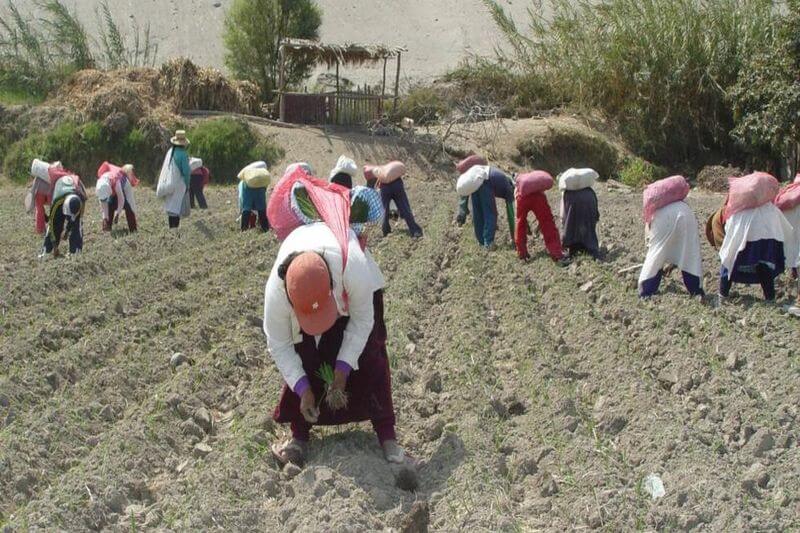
x=360 y=279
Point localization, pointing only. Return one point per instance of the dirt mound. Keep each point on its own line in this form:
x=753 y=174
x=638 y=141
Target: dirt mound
x=567 y=147
x=137 y=93
x=18 y=121
x=715 y=178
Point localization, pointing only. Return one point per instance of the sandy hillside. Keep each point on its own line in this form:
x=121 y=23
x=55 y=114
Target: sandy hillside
x=535 y=397
x=438 y=33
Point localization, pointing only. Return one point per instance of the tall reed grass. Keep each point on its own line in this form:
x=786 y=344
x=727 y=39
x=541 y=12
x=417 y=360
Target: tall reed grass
x=40 y=49
x=662 y=69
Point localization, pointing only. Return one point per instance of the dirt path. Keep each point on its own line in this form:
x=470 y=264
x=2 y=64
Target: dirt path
x=531 y=403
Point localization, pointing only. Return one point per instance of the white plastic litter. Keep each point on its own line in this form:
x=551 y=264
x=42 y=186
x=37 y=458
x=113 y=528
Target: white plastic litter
x=654 y=486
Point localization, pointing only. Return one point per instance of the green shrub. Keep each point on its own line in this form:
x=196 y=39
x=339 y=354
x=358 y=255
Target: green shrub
x=766 y=98
x=81 y=148
x=662 y=69
x=226 y=145
x=424 y=103
x=500 y=84
x=636 y=172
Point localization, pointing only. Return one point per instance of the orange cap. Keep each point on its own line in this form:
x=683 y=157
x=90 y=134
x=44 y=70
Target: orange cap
x=308 y=285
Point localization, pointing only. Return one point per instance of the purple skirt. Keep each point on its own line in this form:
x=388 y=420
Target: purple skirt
x=369 y=388
x=767 y=252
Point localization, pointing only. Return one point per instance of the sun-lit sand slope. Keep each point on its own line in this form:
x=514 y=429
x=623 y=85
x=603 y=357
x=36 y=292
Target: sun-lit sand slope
x=438 y=33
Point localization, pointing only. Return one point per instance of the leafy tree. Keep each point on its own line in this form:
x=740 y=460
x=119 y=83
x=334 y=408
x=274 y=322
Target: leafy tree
x=766 y=98
x=254 y=30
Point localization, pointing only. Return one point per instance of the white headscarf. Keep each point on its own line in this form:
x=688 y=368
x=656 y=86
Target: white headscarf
x=344 y=165
x=71 y=207
x=103 y=188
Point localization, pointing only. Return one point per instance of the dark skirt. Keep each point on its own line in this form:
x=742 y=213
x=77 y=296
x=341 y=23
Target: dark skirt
x=369 y=388
x=581 y=215
x=767 y=252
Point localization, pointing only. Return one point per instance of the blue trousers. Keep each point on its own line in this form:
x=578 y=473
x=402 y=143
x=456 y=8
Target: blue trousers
x=650 y=286
x=396 y=191
x=766 y=278
x=484 y=214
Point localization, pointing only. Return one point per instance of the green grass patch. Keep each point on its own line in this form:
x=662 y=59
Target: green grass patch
x=226 y=145
x=12 y=96
x=660 y=69
x=636 y=172
x=424 y=103
x=81 y=147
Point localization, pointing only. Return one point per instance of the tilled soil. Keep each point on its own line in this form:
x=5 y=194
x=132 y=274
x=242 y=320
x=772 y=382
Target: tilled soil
x=535 y=397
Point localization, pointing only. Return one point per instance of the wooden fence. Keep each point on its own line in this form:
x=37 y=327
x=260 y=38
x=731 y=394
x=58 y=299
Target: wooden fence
x=344 y=109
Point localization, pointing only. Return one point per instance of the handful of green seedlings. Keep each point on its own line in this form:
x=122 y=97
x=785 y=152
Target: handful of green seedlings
x=335 y=398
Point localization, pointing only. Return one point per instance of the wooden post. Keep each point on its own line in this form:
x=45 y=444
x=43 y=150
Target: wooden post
x=397 y=83
x=281 y=84
x=383 y=87
x=336 y=98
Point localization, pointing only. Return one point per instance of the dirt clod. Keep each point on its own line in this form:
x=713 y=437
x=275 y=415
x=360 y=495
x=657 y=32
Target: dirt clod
x=203 y=419
x=291 y=470
x=200 y=450
x=611 y=423
x=545 y=484
x=417 y=519
x=107 y=413
x=434 y=383
x=406 y=478
x=760 y=443
x=52 y=380
x=189 y=428
x=177 y=359
x=434 y=430
x=733 y=361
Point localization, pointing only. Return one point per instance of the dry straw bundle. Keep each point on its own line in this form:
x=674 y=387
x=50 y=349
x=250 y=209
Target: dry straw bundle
x=139 y=93
x=191 y=87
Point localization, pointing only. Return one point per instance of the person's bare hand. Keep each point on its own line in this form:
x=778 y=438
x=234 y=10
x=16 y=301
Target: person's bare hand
x=337 y=397
x=308 y=406
x=339 y=380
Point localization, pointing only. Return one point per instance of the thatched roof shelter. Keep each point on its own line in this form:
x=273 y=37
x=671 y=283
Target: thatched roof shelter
x=333 y=55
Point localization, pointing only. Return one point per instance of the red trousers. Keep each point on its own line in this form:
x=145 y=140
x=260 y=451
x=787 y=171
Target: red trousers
x=541 y=210
x=40 y=218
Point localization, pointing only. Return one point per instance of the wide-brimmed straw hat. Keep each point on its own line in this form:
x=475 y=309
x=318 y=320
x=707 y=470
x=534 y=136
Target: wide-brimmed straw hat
x=180 y=139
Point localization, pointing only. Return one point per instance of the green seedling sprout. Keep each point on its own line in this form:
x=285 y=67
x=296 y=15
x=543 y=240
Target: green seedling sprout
x=336 y=399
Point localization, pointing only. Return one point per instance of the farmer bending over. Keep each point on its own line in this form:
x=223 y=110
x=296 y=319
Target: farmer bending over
x=114 y=189
x=66 y=211
x=672 y=239
x=502 y=187
x=320 y=316
x=529 y=194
